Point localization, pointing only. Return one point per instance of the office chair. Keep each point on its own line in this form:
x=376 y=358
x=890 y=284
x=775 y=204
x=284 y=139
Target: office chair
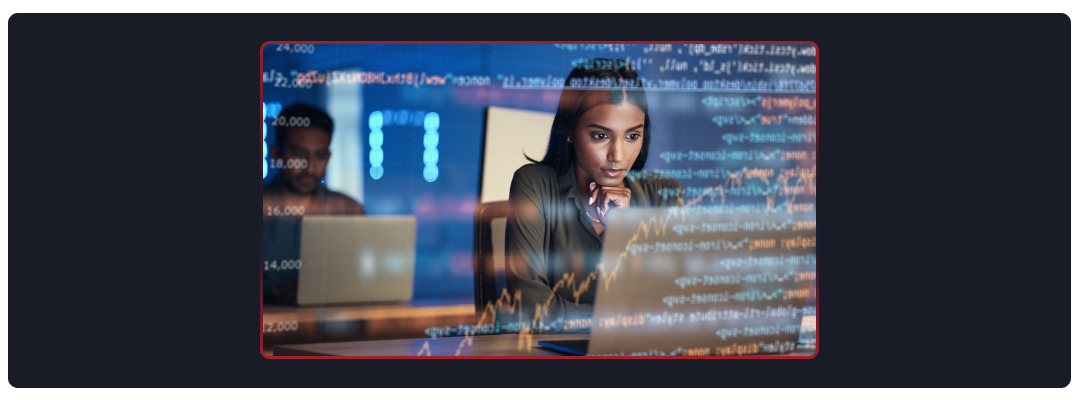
x=489 y=258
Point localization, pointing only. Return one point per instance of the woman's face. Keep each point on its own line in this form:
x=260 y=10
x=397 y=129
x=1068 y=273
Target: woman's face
x=607 y=141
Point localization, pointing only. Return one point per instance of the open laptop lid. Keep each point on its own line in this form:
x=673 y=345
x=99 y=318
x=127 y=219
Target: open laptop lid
x=355 y=259
x=703 y=281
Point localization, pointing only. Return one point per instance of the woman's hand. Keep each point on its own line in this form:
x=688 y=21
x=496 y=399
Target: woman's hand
x=603 y=196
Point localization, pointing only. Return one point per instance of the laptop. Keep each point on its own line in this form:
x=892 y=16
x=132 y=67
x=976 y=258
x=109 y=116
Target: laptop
x=701 y=282
x=356 y=259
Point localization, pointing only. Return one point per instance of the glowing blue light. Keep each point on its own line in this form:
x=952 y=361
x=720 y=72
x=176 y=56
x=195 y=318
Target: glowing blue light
x=431 y=151
x=375 y=120
x=431 y=156
x=431 y=139
x=431 y=173
x=271 y=110
x=266 y=169
x=401 y=117
x=375 y=138
x=431 y=121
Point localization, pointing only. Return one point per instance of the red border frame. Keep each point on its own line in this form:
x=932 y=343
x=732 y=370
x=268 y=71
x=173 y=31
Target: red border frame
x=817 y=145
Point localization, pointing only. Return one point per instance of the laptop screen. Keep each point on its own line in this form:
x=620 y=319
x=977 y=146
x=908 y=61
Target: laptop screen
x=706 y=281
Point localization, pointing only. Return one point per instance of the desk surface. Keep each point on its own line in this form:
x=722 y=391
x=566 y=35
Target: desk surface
x=356 y=322
x=484 y=345
x=276 y=313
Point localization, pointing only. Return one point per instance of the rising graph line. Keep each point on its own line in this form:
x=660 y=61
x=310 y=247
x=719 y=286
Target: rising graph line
x=656 y=225
x=735 y=179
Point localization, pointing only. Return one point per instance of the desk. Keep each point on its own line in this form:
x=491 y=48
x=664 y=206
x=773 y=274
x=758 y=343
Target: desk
x=358 y=322
x=483 y=345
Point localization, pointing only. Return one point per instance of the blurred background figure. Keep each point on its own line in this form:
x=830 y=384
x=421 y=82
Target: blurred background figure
x=301 y=152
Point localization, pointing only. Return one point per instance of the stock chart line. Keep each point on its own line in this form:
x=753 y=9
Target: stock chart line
x=735 y=179
x=657 y=226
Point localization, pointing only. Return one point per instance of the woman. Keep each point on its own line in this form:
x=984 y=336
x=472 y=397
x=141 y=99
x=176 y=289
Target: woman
x=559 y=205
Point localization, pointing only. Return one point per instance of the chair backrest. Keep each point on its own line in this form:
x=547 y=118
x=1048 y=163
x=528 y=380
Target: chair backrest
x=489 y=258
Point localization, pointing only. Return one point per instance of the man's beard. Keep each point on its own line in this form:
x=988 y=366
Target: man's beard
x=288 y=182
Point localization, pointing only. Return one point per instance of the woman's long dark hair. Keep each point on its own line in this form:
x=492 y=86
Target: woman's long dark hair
x=607 y=80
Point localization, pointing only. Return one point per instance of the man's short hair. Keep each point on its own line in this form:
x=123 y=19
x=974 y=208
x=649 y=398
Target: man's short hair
x=298 y=114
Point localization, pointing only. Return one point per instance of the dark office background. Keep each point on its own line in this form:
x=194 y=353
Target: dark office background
x=444 y=206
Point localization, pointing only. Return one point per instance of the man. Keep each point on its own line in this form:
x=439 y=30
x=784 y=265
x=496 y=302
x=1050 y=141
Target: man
x=301 y=152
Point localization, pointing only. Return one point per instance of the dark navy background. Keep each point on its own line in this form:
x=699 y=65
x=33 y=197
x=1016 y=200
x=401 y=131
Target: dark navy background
x=131 y=224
